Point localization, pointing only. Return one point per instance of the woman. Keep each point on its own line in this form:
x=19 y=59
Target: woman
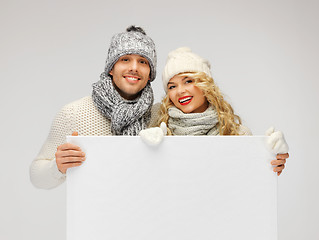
x=194 y=105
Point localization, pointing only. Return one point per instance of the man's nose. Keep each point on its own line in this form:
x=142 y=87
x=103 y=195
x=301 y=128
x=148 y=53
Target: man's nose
x=133 y=66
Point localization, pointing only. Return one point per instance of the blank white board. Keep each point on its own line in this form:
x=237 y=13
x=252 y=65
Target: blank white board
x=187 y=188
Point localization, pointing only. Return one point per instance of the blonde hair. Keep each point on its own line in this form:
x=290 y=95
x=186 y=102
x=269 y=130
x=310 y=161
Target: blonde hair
x=228 y=121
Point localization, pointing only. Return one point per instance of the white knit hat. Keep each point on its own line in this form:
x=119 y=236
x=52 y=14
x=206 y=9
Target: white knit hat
x=183 y=60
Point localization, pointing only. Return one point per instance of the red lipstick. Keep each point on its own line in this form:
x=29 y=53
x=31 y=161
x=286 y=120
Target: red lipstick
x=185 y=100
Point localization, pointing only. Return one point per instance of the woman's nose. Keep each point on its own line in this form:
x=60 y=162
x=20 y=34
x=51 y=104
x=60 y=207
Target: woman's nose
x=181 y=89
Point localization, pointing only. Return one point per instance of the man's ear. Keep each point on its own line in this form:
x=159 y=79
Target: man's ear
x=111 y=72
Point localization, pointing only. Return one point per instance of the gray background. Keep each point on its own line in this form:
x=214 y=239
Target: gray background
x=264 y=56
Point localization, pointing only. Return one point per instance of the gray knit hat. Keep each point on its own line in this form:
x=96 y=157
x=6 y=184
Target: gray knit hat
x=133 y=41
x=183 y=60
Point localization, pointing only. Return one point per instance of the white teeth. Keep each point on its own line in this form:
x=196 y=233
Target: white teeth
x=132 y=78
x=185 y=99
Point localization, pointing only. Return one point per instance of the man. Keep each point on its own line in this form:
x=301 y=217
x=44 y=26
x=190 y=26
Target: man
x=121 y=104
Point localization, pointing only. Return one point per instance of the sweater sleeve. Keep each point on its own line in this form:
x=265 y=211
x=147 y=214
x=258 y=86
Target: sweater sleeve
x=44 y=172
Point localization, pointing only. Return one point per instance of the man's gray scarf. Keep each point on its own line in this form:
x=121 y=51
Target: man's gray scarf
x=205 y=123
x=128 y=117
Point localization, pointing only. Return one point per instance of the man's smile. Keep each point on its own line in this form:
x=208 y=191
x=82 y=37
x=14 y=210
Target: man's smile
x=131 y=78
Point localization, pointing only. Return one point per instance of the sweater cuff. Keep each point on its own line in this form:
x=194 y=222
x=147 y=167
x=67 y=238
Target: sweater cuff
x=55 y=171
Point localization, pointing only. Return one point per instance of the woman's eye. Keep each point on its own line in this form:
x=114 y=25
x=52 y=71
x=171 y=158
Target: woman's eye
x=189 y=81
x=171 y=87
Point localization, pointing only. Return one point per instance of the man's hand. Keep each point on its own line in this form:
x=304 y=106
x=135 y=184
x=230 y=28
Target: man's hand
x=279 y=163
x=69 y=155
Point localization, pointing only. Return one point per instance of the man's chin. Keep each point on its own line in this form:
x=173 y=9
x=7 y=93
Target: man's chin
x=130 y=94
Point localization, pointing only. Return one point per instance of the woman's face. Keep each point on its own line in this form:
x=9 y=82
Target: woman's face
x=185 y=95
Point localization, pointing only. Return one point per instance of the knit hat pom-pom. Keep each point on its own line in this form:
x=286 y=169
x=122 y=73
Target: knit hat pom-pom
x=134 y=28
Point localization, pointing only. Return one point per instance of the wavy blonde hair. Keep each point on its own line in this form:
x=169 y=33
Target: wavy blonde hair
x=228 y=121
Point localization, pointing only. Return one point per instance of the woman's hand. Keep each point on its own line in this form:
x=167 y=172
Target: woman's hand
x=279 y=163
x=153 y=136
x=69 y=155
x=278 y=145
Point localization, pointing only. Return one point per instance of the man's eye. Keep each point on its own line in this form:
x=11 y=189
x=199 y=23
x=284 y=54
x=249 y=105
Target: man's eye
x=143 y=62
x=124 y=59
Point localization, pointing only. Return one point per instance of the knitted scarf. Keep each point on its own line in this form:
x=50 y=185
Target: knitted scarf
x=128 y=117
x=205 y=123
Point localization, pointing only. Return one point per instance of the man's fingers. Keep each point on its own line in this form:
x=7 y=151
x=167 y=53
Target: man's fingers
x=68 y=146
x=71 y=153
x=64 y=167
x=282 y=156
x=69 y=165
x=75 y=134
x=72 y=160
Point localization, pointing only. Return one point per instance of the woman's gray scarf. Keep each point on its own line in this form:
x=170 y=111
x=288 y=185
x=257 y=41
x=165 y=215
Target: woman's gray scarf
x=205 y=123
x=128 y=117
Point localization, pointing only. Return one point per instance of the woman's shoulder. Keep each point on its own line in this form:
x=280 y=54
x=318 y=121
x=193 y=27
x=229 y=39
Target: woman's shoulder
x=156 y=107
x=155 y=114
x=243 y=130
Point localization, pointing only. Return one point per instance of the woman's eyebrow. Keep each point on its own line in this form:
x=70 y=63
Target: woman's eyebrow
x=170 y=83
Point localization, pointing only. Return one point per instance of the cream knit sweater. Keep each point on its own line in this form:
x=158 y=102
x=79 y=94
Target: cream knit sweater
x=81 y=116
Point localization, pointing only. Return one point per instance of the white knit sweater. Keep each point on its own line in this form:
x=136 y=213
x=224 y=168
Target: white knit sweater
x=81 y=116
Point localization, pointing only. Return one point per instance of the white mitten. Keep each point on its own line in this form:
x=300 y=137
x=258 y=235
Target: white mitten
x=153 y=136
x=164 y=128
x=276 y=141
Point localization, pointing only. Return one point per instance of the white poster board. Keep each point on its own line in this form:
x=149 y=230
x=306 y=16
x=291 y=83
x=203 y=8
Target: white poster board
x=187 y=188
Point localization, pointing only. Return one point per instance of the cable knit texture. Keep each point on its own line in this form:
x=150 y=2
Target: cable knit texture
x=81 y=116
x=195 y=124
x=128 y=117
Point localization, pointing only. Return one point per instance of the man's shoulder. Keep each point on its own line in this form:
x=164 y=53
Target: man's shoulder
x=84 y=104
x=84 y=116
x=87 y=100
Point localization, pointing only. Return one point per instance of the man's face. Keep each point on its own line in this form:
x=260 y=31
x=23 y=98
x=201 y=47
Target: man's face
x=130 y=75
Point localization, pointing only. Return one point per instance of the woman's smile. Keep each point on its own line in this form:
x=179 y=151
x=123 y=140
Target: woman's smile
x=185 y=100
x=185 y=95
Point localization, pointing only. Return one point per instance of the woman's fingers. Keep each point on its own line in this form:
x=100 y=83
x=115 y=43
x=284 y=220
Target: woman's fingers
x=279 y=168
x=278 y=162
x=282 y=156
